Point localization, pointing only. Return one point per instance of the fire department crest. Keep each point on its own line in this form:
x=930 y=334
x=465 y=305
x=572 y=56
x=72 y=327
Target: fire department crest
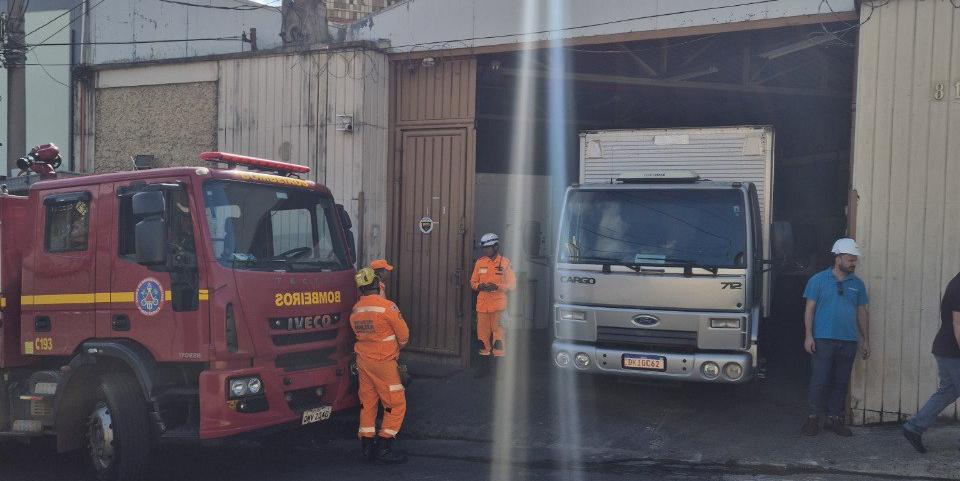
x=149 y=296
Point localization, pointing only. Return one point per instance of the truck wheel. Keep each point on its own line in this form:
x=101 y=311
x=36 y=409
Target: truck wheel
x=118 y=430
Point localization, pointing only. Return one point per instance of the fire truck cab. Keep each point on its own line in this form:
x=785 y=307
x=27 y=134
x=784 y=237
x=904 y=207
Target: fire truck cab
x=173 y=304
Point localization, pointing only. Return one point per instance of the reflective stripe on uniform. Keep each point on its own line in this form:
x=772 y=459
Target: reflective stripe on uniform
x=378 y=309
x=396 y=387
x=390 y=338
x=388 y=431
x=368 y=430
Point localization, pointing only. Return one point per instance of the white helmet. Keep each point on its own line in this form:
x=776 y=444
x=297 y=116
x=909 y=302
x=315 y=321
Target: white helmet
x=845 y=246
x=489 y=240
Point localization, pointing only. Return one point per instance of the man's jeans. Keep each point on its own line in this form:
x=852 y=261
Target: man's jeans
x=948 y=368
x=830 y=369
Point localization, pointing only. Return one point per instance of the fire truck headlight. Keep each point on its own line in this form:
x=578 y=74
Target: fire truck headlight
x=581 y=360
x=245 y=386
x=254 y=385
x=238 y=387
x=710 y=370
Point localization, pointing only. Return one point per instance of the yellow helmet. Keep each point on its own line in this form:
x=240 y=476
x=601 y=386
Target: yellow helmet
x=365 y=277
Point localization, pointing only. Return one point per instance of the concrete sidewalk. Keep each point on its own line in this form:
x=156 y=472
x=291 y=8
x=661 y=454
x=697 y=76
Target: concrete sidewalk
x=557 y=419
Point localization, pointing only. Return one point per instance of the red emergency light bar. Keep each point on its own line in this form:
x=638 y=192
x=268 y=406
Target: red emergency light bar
x=254 y=162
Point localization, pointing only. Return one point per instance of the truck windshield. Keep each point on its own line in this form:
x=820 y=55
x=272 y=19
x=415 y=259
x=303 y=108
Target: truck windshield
x=687 y=227
x=263 y=227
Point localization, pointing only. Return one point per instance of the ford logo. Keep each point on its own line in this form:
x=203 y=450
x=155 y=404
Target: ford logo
x=645 y=320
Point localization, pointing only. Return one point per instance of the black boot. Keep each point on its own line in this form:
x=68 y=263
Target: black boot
x=368 y=450
x=482 y=368
x=386 y=454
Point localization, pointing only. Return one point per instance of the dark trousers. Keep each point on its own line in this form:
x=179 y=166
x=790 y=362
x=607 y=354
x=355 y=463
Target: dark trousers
x=830 y=368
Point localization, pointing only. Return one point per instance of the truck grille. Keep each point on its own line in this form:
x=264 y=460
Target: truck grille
x=304 y=338
x=653 y=338
x=298 y=361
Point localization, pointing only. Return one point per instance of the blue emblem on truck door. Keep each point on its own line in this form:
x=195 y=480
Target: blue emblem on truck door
x=149 y=296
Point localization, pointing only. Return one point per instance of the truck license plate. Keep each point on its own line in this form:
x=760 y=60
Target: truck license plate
x=647 y=363
x=311 y=416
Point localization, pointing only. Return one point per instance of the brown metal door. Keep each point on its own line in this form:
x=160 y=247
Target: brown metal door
x=432 y=228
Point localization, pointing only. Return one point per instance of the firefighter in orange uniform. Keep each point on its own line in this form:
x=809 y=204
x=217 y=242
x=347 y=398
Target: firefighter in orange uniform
x=492 y=278
x=382 y=268
x=381 y=333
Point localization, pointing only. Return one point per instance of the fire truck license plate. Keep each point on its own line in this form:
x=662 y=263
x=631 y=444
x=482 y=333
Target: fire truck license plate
x=317 y=414
x=647 y=363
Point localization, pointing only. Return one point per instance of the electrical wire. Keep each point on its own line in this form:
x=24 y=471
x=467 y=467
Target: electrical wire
x=239 y=8
x=137 y=42
x=54 y=19
x=579 y=27
x=71 y=22
x=44 y=68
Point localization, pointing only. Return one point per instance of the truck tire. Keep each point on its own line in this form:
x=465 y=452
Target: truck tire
x=118 y=430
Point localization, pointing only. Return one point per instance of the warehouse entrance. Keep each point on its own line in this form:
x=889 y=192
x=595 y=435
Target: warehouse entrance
x=796 y=79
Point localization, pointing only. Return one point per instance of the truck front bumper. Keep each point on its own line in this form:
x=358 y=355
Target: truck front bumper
x=679 y=366
x=221 y=418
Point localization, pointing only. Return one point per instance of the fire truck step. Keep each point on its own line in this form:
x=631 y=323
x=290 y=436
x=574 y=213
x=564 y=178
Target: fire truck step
x=18 y=435
x=28 y=426
x=181 y=434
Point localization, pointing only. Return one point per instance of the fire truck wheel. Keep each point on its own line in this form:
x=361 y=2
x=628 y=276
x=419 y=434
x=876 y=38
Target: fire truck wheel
x=118 y=430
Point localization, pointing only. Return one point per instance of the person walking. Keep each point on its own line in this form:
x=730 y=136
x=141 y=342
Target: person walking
x=492 y=278
x=381 y=332
x=835 y=319
x=946 y=351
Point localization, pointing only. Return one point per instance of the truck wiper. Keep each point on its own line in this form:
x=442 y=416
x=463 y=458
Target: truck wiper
x=689 y=265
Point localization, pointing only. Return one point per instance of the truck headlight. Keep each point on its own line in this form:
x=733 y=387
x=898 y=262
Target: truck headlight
x=582 y=360
x=245 y=386
x=573 y=315
x=710 y=370
x=728 y=323
x=733 y=371
x=563 y=359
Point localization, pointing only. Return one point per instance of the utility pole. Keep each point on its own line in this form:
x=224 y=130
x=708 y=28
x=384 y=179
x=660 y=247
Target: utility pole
x=14 y=57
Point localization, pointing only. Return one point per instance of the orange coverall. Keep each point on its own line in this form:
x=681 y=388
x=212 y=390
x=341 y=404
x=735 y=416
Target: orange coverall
x=490 y=305
x=381 y=332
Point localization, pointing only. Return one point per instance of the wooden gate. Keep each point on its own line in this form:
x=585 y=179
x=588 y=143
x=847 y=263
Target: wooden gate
x=432 y=203
x=433 y=228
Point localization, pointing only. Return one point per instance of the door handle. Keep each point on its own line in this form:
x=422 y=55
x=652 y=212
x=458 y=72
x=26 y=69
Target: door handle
x=120 y=323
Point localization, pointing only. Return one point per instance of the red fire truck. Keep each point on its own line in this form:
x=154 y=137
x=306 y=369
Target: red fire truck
x=175 y=304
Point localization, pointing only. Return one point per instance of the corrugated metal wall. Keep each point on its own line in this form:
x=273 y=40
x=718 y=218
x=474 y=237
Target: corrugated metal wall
x=289 y=107
x=905 y=169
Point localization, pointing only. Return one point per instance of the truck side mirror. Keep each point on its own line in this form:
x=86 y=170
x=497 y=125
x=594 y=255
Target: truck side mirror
x=533 y=238
x=781 y=241
x=150 y=233
x=351 y=240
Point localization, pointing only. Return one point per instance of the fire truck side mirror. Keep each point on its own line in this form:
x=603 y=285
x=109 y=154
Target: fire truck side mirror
x=351 y=240
x=150 y=232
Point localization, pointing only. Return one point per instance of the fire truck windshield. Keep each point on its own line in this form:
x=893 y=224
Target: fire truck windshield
x=265 y=227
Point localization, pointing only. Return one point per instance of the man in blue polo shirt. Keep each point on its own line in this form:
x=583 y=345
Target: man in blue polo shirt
x=836 y=319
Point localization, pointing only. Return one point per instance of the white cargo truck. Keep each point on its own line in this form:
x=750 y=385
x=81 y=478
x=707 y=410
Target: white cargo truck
x=663 y=254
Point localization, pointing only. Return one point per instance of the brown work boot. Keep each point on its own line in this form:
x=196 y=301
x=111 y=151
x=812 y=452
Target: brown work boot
x=811 y=427
x=386 y=454
x=835 y=424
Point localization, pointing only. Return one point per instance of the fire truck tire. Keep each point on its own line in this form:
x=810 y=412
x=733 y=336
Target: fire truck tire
x=118 y=430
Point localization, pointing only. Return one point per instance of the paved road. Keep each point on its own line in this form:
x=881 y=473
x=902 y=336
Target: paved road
x=334 y=460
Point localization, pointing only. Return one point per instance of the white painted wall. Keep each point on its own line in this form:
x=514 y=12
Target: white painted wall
x=418 y=25
x=48 y=97
x=140 y=20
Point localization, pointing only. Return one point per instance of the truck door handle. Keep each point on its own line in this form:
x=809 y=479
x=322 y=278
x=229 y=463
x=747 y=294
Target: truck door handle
x=41 y=324
x=121 y=323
